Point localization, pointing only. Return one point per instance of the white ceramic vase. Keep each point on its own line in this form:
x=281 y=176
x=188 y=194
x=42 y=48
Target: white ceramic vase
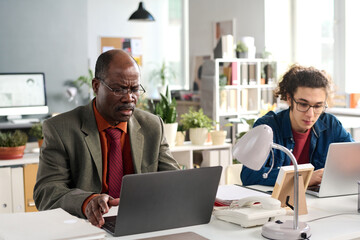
x=218 y=137
x=170 y=130
x=198 y=136
x=180 y=138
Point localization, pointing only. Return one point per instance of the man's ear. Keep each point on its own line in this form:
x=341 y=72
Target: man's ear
x=95 y=85
x=288 y=99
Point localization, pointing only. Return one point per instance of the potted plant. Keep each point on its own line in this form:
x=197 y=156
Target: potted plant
x=163 y=76
x=166 y=109
x=12 y=144
x=180 y=135
x=36 y=131
x=198 y=124
x=241 y=50
x=218 y=135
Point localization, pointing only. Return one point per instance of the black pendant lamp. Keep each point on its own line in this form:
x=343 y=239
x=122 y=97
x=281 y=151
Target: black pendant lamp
x=141 y=14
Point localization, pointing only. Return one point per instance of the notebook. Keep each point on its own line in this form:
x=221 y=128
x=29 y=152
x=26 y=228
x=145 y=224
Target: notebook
x=341 y=171
x=164 y=200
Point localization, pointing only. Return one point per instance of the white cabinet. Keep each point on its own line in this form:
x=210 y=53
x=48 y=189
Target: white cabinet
x=212 y=155
x=243 y=87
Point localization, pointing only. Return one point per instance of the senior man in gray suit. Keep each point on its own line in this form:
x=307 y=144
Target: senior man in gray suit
x=86 y=151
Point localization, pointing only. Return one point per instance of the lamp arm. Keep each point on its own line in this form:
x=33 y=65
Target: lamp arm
x=296 y=182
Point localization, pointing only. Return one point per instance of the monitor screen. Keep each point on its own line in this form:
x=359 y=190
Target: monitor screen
x=22 y=94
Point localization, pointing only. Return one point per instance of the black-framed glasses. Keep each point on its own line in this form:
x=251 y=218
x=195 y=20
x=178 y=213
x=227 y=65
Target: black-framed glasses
x=304 y=107
x=122 y=91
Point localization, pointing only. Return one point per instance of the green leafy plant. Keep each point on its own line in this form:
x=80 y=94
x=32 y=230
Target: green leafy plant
x=165 y=74
x=249 y=122
x=36 y=131
x=196 y=119
x=87 y=80
x=221 y=127
x=166 y=108
x=241 y=47
x=13 y=139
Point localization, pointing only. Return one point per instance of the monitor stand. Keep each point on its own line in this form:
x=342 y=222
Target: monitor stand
x=18 y=119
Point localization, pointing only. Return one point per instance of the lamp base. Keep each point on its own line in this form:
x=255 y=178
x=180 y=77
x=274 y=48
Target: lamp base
x=285 y=230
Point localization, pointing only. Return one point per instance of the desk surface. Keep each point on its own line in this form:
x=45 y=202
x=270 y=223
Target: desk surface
x=323 y=219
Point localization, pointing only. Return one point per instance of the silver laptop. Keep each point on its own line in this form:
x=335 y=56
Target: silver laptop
x=164 y=200
x=341 y=172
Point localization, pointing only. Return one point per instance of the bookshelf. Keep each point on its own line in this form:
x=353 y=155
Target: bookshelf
x=243 y=87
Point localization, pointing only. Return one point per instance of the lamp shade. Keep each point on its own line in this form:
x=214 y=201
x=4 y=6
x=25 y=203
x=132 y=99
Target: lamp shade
x=141 y=14
x=253 y=148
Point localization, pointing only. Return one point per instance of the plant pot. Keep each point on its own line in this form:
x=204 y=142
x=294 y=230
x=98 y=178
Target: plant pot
x=170 y=133
x=198 y=136
x=180 y=138
x=218 y=137
x=40 y=141
x=7 y=153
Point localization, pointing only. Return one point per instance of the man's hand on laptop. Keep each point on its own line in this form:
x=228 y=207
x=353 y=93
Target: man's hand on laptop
x=97 y=207
x=316 y=177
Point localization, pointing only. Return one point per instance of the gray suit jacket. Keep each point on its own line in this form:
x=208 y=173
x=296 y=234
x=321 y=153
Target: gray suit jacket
x=70 y=167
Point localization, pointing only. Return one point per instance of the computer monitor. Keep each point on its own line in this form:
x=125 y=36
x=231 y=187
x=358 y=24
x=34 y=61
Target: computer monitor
x=22 y=94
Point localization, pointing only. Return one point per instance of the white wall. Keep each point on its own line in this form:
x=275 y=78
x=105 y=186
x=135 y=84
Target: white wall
x=109 y=18
x=45 y=36
x=248 y=15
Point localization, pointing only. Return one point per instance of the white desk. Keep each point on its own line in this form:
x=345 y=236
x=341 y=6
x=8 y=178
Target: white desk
x=336 y=227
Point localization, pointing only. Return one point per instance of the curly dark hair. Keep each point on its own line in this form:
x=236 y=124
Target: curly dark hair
x=300 y=76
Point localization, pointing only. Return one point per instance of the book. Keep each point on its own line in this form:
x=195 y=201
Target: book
x=244 y=74
x=234 y=74
x=252 y=73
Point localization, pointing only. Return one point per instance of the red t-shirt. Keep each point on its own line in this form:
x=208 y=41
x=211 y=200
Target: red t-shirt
x=302 y=146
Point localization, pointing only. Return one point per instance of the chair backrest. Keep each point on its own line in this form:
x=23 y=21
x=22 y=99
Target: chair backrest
x=233 y=174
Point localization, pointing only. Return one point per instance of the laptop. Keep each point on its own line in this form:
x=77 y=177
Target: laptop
x=341 y=171
x=164 y=200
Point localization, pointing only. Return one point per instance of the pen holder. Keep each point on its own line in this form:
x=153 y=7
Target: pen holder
x=359 y=196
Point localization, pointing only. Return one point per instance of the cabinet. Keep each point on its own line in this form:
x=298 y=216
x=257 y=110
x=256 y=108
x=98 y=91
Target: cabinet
x=17 y=181
x=212 y=155
x=243 y=87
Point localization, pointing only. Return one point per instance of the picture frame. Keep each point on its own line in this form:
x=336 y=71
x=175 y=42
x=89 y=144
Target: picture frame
x=284 y=186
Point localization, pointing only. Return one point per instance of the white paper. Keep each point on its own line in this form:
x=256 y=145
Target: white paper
x=235 y=192
x=51 y=224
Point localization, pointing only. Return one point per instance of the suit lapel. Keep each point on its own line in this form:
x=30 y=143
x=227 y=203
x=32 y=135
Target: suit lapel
x=91 y=136
x=137 y=143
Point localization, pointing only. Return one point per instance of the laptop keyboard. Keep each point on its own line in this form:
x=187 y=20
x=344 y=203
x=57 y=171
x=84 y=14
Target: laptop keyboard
x=315 y=188
x=109 y=224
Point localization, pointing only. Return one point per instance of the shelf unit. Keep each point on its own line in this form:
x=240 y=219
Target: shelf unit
x=247 y=87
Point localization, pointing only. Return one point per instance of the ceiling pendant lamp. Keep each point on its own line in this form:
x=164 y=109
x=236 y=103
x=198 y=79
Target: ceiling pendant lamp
x=141 y=14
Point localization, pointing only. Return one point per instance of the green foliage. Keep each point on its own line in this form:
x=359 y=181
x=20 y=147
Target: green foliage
x=164 y=74
x=166 y=108
x=36 y=131
x=87 y=80
x=250 y=122
x=196 y=119
x=13 y=139
x=181 y=128
x=241 y=47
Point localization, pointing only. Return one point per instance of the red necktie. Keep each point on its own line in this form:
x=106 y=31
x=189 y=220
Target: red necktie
x=115 y=163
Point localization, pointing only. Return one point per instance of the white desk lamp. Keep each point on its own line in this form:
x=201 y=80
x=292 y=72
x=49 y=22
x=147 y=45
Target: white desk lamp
x=252 y=150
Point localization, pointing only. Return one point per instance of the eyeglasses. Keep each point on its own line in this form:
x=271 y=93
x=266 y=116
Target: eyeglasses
x=304 y=107
x=122 y=91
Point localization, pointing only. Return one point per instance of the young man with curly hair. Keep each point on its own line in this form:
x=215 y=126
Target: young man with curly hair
x=304 y=128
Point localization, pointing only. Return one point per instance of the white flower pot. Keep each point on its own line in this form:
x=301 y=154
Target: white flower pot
x=198 y=136
x=170 y=130
x=218 y=137
x=180 y=138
